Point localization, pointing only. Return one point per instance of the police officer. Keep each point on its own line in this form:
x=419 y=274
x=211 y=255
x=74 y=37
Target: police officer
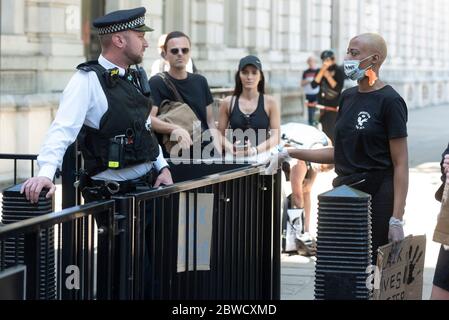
x=105 y=102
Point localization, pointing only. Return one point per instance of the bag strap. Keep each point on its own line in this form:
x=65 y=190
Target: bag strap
x=171 y=86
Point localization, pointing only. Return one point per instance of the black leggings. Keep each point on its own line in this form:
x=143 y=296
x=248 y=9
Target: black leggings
x=382 y=204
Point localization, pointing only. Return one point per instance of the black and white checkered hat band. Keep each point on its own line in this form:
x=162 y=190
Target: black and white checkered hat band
x=122 y=26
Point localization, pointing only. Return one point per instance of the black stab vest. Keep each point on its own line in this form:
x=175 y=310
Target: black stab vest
x=127 y=109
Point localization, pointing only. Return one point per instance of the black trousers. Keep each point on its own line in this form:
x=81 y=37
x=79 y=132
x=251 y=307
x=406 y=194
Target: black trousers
x=382 y=204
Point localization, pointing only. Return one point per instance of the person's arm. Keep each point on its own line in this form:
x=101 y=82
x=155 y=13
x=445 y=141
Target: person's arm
x=179 y=134
x=324 y=155
x=445 y=165
x=319 y=77
x=395 y=119
x=330 y=79
x=399 y=156
x=223 y=115
x=223 y=122
x=339 y=78
x=217 y=137
x=75 y=102
x=159 y=126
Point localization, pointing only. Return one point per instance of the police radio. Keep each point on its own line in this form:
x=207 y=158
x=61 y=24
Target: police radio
x=143 y=81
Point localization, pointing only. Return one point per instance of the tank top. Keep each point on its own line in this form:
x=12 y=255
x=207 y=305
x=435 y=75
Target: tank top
x=258 y=120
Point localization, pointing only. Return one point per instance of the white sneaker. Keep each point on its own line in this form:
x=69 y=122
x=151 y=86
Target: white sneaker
x=306 y=238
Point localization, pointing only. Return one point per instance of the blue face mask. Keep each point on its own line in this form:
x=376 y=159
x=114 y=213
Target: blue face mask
x=353 y=71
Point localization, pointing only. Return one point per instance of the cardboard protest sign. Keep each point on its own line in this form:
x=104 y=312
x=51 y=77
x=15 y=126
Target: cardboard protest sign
x=441 y=234
x=399 y=273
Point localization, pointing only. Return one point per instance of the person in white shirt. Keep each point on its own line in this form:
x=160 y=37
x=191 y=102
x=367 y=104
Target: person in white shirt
x=104 y=101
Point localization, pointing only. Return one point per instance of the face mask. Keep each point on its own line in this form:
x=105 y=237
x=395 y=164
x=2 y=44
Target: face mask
x=353 y=71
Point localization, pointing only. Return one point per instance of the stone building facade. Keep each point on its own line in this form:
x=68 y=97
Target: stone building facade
x=42 y=42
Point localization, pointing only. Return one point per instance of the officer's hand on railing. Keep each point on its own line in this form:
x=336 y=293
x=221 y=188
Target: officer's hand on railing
x=275 y=161
x=183 y=137
x=33 y=187
x=164 y=178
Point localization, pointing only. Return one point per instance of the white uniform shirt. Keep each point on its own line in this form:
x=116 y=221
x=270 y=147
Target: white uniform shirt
x=84 y=102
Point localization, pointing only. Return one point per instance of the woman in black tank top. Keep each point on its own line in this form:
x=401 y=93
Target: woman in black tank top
x=249 y=119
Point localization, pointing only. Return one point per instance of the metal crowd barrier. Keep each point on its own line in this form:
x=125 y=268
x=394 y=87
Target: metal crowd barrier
x=215 y=234
x=88 y=272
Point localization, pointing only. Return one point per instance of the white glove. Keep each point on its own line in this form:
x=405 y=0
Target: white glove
x=275 y=162
x=396 y=235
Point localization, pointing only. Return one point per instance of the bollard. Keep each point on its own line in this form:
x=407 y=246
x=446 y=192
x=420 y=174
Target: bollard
x=16 y=208
x=343 y=245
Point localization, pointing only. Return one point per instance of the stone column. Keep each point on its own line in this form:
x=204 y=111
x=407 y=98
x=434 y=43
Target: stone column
x=290 y=29
x=207 y=25
x=257 y=25
x=321 y=25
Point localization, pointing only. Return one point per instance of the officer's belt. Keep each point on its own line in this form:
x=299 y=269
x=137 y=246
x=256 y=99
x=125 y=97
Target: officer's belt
x=115 y=187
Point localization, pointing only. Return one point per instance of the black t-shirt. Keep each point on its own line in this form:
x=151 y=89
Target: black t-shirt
x=194 y=90
x=339 y=77
x=366 y=123
x=310 y=73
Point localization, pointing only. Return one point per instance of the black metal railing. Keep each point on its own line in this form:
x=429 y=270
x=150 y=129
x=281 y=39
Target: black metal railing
x=19 y=157
x=240 y=254
x=88 y=274
x=160 y=247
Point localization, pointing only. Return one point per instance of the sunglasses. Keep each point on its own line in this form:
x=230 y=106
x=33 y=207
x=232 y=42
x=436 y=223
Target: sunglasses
x=175 y=51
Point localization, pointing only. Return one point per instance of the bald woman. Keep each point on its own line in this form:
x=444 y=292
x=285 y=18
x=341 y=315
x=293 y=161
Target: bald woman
x=370 y=151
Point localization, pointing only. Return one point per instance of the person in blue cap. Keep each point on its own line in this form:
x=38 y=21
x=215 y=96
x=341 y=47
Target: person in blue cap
x=106 y=108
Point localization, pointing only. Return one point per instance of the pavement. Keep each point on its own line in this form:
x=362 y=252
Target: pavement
x=428 y=138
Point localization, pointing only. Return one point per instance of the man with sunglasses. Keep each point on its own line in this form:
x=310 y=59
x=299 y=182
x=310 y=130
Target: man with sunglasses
x=193 y=88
